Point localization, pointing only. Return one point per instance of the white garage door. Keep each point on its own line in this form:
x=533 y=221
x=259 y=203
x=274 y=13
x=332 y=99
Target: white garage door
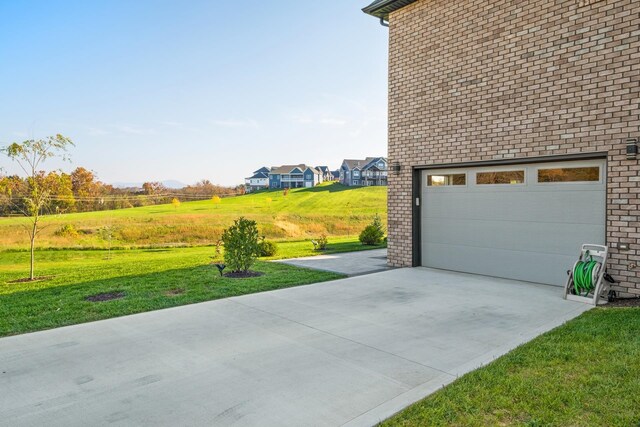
x=523 y=222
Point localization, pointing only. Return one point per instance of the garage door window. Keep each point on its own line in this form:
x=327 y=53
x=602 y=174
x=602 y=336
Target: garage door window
x=444 y=180
x=585 y=174
x=500 y=177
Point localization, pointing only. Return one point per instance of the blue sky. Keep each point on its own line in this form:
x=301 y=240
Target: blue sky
x=188 y=90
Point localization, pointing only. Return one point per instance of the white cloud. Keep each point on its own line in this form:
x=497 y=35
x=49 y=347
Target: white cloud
x=235 y=123
x=320 y=120
x=96 y=131
x=136 y=131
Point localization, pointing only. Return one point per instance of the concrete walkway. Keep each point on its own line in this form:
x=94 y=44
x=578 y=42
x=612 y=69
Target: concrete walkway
x=352 y=352
x=349 y=263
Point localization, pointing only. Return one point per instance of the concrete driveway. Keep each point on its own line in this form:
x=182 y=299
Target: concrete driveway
x=349 y=263
x=352 y=351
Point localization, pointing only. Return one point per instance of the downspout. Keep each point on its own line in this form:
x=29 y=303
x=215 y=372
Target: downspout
x=384 y=24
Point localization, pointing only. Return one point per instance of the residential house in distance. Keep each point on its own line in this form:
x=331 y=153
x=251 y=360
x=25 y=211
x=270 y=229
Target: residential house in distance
x=367 y=172
x=326 y=173
x=294 y=176
x=335 y=175
x=258 y=181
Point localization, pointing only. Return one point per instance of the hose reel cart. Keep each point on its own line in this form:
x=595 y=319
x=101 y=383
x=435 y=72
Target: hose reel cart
x=586 y=279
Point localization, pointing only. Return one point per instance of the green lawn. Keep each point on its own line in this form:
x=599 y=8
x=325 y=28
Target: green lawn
x=151 y=279
x=330 y=208
x=585 y=373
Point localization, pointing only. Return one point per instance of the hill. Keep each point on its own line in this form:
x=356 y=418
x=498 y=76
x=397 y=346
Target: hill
x=304 y=213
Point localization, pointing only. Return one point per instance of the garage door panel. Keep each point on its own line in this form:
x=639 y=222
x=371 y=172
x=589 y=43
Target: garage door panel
x=528 y=266
x=570 y=207
x=529 y=231
x=513 y=235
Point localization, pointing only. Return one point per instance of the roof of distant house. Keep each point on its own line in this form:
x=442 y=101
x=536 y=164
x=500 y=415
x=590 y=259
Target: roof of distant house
x=262 y=169
x=324 y=169
x=259 y=175
x=382 y=8
x=284 y=169
x=358 y=163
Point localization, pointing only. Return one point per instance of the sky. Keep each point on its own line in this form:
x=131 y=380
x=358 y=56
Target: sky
x=191 y=90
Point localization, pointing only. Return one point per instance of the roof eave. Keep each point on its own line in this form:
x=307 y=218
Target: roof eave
x=382 y=8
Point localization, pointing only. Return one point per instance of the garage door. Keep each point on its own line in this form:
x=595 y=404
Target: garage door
x=523 y=222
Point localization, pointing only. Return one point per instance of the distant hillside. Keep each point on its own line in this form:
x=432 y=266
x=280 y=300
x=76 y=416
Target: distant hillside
x=304 y=213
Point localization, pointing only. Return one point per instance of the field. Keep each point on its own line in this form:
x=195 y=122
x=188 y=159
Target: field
x=148 y=279
x=304 y=213
x=161 y=255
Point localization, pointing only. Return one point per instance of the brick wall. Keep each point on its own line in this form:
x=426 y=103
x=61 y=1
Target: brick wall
x=474 y=80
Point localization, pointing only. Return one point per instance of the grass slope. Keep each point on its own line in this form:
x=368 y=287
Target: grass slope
x=585 y=373
x=304 y=213
x=151 y=279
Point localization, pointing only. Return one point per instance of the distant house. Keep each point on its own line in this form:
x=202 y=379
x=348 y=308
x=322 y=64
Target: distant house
x=294 y=176
x=326 y=173
x=367 y=172
x=258 y=181
x=335 y=175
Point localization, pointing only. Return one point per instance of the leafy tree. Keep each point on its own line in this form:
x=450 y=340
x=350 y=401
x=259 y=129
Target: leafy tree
x=240 y=245
x=216 y=200
x=175 y=202
x=30 y=155
x=373 y=233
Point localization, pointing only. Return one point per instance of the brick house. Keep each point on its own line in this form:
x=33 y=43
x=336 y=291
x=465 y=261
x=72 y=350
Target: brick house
x=509 y=125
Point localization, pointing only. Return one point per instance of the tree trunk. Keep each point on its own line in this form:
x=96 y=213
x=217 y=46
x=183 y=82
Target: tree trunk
x=33 y=247
x=33 y=260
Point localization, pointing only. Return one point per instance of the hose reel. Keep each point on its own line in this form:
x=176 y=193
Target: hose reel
x=585 y=282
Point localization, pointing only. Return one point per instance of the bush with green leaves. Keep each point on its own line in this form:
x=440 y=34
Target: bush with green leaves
x=321 y=243
x=267 y=248
x=373 y=233
x=67 y=230
x=240 y=245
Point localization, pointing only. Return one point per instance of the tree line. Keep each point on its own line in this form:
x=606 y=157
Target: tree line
x=81 y=191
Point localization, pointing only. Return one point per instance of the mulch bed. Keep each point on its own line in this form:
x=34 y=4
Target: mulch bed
x=243 y=274
x=35 y=279
x=106 y=296
x=624 y=302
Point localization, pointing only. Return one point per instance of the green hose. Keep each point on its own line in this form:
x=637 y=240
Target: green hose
x=583 y=280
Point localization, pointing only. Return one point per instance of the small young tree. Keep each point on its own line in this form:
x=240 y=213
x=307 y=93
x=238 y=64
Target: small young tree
x=175 y=202
x=240 y=245
x=216 y=201
x=29 y=156
x=373 y=233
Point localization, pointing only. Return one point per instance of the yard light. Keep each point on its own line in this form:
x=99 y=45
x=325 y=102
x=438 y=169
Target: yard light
x=632 y=148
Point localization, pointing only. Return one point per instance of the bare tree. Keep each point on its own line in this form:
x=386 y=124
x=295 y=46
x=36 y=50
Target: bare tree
x=29 y=156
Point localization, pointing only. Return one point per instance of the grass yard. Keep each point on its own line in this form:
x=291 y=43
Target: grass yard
x=330 y=208
x=150 y=279
x=585 y=373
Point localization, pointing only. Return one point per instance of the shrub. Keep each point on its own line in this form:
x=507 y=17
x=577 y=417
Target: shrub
x=66 y=230
x=240 y=245
x=267 y=248
x=372 y=233
x=321 y=243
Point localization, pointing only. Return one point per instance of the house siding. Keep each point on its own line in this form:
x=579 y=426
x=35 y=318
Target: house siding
x=497 y=79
